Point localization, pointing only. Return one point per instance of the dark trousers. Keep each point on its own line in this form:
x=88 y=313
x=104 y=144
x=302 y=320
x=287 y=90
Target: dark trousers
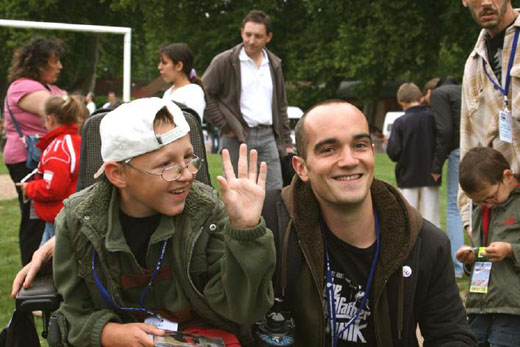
x=31 y=228
x=496 y=330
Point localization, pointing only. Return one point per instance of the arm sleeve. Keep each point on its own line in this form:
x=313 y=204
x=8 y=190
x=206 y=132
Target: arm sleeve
x=443 y=115
x=241 y=265
x=465 y=145
x=393 y=147
x=213 y=85
x=55 y=184
x=86 y=323
x=198 y=103
x=442 y=317
x=515 y=248
x=283 y=113
x=22 y=88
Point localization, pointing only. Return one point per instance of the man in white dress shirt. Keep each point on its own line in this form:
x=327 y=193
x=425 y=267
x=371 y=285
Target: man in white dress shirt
x=247 y=100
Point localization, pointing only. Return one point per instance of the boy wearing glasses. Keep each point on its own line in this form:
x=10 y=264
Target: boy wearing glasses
x=493 y=302
x=149 y=247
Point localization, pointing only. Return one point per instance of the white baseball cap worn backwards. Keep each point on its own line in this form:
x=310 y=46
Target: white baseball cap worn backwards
x=127 y=131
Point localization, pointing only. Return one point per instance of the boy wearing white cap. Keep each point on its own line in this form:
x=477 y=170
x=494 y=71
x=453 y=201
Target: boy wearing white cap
x=150 y=244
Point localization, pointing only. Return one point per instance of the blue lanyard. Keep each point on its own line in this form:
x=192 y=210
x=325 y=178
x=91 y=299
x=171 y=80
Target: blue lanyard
x=497 y=85
x=108 y=299
x=331 y=304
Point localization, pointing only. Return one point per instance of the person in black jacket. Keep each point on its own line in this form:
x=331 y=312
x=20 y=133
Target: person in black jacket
x=341 y=216
x=412 y=146
x=443 y=96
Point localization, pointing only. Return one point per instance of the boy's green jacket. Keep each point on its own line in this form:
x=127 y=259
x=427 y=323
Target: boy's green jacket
x=218 y=273
x=503 y=294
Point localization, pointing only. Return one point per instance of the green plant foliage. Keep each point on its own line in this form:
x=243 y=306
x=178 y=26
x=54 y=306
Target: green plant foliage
x=320 y=42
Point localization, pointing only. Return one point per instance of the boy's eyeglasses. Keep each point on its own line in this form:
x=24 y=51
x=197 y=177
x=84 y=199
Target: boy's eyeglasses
x=172 y=173
x=491 y=198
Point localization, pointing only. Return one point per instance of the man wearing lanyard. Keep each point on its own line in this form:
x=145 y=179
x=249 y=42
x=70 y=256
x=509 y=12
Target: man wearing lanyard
x=490 y=108
x=246 y=97
x=372 y=268
x=149 y=247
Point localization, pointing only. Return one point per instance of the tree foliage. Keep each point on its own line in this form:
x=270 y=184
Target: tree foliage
x=321 y=42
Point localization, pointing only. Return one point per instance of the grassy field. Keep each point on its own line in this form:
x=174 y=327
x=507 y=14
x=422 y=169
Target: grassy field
x=9 y=219
x=3 y=168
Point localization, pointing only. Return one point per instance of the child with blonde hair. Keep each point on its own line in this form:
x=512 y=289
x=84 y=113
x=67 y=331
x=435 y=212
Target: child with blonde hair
x=57 y=172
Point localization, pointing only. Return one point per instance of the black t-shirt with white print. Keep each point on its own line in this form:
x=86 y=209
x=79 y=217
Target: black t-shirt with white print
x=350 y=268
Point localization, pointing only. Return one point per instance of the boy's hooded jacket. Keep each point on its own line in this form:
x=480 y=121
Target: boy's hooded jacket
x=212 y=272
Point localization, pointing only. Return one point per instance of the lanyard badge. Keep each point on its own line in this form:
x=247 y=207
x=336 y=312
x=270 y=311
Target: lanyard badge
x=481 y=273
x=504 y=117
x=108 y=299
x=329 y=289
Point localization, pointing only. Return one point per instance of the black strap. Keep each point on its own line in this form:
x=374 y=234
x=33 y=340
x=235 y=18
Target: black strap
x=15 y=122
x=288 y=253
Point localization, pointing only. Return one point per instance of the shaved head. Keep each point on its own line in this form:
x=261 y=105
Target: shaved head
x=314 y=112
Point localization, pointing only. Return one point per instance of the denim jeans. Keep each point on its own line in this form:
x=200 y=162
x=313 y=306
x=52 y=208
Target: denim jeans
x=496 y=330
x=48 y=232
x=453 y=220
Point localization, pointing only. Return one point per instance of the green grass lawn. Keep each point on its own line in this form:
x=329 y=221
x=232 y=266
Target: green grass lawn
x=9 y=219
x=3 y=168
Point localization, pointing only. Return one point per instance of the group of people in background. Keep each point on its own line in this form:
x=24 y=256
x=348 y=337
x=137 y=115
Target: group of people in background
x=369 y=267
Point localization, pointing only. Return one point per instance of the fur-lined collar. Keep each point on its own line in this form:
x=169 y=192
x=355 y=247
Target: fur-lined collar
x=400 y=225
x=92 y=205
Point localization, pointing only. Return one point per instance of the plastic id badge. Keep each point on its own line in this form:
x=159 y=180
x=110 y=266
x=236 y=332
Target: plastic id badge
x=480 y=278
x=505 y=126
x=163 y=324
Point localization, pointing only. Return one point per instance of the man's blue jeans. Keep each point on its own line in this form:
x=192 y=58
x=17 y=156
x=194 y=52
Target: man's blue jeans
x=453 y=220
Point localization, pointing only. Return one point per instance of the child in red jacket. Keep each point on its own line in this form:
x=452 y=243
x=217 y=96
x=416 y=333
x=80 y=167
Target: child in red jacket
x=59 y=163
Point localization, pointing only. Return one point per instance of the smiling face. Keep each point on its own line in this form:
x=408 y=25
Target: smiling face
x=254 y=38
x=49 y=74
x=493 y=15
x=143 y=194
x=339 y=163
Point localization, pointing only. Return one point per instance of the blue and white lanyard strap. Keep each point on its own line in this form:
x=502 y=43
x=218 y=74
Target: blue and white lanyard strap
x=108 y=299
x=331 y=305
x=497 y=85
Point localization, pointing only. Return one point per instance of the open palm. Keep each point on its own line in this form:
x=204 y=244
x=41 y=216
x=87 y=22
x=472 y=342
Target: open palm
x=243 y=194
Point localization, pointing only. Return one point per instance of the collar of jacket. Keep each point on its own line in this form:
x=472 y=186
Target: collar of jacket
x=67 y=129
x=400 y=225
x=480 y=47
x=235 y=53
x=95 y=208
x=417 y=109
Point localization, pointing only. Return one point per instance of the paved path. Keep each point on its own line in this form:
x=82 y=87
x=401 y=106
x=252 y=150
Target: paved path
x=7 y=190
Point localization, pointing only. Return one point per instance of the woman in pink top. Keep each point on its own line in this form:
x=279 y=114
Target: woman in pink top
x=34 y=69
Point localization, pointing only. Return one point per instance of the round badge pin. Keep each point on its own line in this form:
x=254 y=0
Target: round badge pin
x=407 y=271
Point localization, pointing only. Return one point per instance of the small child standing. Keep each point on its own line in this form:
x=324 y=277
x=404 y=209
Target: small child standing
x=58 y=168
x=493 y=301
